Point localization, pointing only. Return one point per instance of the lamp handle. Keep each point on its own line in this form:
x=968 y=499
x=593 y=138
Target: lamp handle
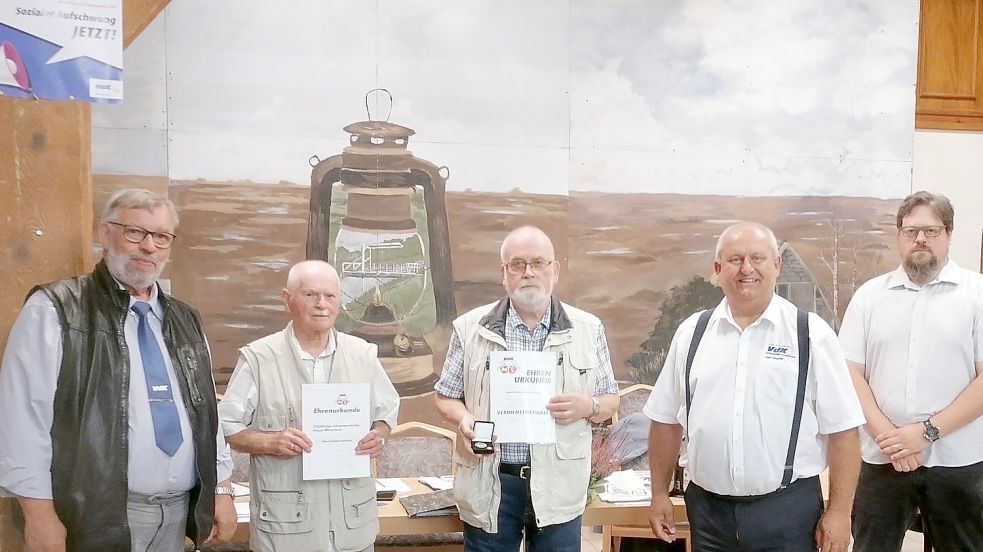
x=368 y=110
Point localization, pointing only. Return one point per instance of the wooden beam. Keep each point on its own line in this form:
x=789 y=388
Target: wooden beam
x=46 y=201
x=137 y=14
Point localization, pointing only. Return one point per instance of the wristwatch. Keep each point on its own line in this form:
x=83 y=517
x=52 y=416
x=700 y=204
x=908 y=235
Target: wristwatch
x=931 y=432
x=226 y=491
x=595 y=408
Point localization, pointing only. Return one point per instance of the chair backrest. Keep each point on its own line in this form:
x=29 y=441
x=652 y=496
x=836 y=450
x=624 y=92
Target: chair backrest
x=416 y=449
x=633 y=398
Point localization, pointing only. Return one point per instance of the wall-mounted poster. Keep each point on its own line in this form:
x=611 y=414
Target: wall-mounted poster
x=62 y=50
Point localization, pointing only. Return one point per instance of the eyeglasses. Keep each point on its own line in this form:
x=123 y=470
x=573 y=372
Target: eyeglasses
x=136 y=234
x=911 y=232
x=518 y=266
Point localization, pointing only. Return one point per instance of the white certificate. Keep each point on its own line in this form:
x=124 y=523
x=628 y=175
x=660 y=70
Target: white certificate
x=522 y=383
x=336 y=417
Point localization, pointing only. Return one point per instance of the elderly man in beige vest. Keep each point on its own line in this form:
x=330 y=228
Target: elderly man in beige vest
x=261 y=415
x=538 y=490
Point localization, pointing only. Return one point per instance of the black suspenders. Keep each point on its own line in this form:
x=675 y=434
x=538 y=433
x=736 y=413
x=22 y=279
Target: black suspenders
x=802 y=329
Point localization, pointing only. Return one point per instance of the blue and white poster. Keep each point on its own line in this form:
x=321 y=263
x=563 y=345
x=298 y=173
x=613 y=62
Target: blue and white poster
x=62 y=50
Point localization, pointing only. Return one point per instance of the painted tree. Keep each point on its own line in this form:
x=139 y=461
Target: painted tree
x=695 y=295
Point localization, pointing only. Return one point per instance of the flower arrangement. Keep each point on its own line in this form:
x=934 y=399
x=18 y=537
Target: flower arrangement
x=605 y=458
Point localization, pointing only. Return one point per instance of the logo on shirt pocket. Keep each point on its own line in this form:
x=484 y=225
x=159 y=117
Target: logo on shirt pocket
x=779 y=352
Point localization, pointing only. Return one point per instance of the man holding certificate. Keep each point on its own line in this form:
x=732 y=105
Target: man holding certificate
x=310 y=405
x=542 y=371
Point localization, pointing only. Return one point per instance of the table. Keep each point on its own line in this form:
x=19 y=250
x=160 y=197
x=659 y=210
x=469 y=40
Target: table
x=394 y=521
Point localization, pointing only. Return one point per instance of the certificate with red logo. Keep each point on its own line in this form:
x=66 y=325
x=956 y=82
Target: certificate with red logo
x=522 y=384
x=336 y=417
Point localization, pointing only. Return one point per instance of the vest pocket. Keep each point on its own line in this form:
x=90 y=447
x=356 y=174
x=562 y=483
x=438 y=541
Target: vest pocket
x=283 y=512
x=573 y=441
x=579 y=376
x=270 y=422
x=358 y=497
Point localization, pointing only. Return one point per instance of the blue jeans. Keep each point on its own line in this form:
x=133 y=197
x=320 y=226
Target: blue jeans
x=515 y=514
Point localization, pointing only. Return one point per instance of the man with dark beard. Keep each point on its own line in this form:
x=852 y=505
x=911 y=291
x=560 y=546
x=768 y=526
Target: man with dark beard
x=110 y=437
x=913 y=339
x=536 y=490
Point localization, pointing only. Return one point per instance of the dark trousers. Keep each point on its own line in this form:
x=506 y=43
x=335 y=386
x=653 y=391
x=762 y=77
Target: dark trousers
x=515 y=514
x=782 y=521
x=950 y=501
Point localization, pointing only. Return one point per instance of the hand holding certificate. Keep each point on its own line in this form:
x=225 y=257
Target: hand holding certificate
x=336 y=418
x=522 y=384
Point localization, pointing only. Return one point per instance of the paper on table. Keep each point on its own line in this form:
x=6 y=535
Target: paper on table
x=625 y=486
x=522 y=384
x=438 y=483
x=391 y=484
x=336 y=417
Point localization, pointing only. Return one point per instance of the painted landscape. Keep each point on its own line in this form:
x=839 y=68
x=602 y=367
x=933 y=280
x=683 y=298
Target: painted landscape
x=622 y=254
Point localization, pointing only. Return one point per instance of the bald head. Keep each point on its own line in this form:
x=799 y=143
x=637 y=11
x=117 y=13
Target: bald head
x=741 y=229
x=310 y=270
x=313 y=299
x=525 y=237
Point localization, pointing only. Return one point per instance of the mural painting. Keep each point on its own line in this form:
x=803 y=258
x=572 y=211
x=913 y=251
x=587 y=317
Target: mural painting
x=631 y=132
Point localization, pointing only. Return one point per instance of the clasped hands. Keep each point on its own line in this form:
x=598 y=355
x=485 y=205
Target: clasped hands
x=903 y=446
x=293 y=441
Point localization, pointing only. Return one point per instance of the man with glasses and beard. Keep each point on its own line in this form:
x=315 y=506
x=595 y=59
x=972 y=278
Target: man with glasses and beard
x=913 y=339
x=540 y=490
x=110 y=437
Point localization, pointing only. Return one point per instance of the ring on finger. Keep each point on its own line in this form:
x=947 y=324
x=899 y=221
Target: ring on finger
x=897 y=447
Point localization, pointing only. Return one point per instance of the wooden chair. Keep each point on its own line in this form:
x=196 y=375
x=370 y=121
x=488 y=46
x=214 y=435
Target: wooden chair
x=415 y=449
x=633 y=399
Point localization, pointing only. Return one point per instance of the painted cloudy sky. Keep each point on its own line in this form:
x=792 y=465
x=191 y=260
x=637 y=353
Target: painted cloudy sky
x=729 y=97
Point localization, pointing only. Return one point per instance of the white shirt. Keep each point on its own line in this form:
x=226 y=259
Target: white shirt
x=919 y=348
x=28 y=378
x=239 y=402
x=743 y=386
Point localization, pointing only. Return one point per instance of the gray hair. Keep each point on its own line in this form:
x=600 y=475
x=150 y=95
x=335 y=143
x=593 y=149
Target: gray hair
x=136 y=198
x=297 y=270
x=746 y=224
x=522 y=229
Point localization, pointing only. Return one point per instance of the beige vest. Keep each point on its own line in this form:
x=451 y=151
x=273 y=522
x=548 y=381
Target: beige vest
x=560 y=472
x=287 y=512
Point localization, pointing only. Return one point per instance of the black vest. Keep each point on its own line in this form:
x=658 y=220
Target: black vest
x=89 y=436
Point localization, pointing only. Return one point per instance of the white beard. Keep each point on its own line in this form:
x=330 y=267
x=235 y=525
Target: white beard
x=118 y=265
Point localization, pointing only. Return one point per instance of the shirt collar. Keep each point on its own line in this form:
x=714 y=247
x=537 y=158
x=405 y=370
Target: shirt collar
x=772 y=312
x=153 y=301
x=949 y=274
x=513 y=320
x=304 y=355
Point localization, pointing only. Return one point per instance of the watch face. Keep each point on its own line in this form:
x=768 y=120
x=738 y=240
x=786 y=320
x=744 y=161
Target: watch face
x=931 y=432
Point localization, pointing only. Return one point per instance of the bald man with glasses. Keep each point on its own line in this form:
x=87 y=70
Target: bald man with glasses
x=537 y=492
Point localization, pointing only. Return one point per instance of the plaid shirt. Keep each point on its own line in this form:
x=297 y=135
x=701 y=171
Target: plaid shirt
x=520 y=338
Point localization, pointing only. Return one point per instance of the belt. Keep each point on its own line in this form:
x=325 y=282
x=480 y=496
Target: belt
x=158 y=498
x=814 y=480
x=521 y=471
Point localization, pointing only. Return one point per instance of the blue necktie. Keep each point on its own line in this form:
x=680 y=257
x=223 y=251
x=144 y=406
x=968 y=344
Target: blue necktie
x=167 y=427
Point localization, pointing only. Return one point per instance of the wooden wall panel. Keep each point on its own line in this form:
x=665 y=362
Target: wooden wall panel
x=46 y=191
x=950 y=65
